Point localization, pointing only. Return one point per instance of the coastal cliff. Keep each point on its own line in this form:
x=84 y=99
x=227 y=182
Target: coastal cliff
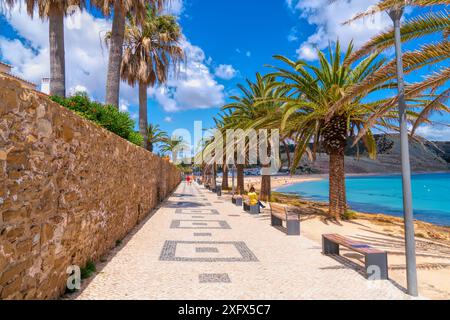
x=426 y=156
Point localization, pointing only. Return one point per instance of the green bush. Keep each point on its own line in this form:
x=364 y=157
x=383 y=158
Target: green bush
x=350 y=215
x=108 y=117
x=115 y=121
x=136 y=138
x=88 y=270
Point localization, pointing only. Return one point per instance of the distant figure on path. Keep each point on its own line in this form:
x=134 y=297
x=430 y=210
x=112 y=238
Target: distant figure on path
x=188 y=180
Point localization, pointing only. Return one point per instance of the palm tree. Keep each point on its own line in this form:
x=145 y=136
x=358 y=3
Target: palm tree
x=227 y=121
x=313 y=92
x=121 y=8
x=436 y=22
x=155 y=135
x=54 y=11
x=260 y=107
x=225 y=174
x=173 y=145
x=150 y=50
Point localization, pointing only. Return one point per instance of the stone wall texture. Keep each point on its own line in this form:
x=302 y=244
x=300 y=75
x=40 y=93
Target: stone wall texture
x=68 y=191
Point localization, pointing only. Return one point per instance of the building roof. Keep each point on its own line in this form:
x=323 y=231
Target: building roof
x=18 y=78
x=5 y=64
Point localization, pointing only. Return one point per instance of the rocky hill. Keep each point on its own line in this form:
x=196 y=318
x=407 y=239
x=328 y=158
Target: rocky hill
x=426 y=156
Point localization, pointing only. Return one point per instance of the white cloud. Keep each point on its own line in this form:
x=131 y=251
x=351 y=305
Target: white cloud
x=87 y=60
x=328 y=18
x=124 y=105
x=434 y=132
x=78 y=89
x=175 y=7
x=168 y=119
x=194 y=87
x=307 y=52
x=293 y=35
x=225 y=71
x=246 y=53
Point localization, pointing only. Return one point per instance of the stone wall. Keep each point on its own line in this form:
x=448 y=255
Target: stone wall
x=69 y=190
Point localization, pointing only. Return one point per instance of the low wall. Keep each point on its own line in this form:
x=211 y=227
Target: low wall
x=69 y=190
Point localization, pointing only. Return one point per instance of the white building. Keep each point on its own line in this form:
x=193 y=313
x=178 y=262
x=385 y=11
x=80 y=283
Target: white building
x=45 y=85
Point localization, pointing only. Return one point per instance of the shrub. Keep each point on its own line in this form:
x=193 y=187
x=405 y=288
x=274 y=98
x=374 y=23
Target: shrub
x=350 y=215
x=115 y=121
x=88 y=270
x=108 y=117
x=136 y=138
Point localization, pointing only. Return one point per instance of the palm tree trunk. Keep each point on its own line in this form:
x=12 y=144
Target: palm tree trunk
x=410 y=242
x=115 y=56
x=57 y=53
x=204 y=175
x=337 y=197
x=266 y=186
x=288 y=153
x=240 y=179
x=225 y=185
x=214 y=175
x=143 y=121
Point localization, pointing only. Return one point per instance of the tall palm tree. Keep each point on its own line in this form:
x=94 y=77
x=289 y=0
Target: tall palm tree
x=173 y=146
x=313 y=92
x=155 y=135
x=435 y=22
x=435 y=53
x=54 y=11
x=225 y=174
x=226 y=122
x=259 y=107
x=150 y=50
x=121 y=8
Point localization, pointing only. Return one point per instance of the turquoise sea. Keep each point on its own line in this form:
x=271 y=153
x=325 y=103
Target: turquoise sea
x=383 y=194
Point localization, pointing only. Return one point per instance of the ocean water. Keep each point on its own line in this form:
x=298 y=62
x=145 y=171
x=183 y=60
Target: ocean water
x=383 y=194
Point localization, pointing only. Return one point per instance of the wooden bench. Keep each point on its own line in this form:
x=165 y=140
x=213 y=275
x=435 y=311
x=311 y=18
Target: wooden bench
x=280 y=213
x=376 y=263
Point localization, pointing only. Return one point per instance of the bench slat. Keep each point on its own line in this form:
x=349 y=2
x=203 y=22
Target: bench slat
x=282 y=212
x=351 y=244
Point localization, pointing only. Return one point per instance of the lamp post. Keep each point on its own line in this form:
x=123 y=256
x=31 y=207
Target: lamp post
x=410 y=242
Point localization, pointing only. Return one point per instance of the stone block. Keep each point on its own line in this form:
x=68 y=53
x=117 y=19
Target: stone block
x=11 y=290
x=12 y=272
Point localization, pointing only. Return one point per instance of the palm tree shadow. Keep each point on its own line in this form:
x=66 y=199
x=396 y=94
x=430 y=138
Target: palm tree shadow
x=186 y=205
x=395 y=245
x=348 y=264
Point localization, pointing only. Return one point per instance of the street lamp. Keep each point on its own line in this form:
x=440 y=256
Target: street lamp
x=410 y=242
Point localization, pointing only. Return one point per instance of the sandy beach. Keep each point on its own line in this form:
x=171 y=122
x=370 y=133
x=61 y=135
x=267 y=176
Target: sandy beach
x=281 y=181
x=381 y=231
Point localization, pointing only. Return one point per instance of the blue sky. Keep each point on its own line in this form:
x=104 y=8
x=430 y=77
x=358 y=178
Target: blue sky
x=226 y=42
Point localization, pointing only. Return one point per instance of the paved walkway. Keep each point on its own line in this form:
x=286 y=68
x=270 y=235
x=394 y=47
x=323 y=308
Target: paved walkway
x=199 y=246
